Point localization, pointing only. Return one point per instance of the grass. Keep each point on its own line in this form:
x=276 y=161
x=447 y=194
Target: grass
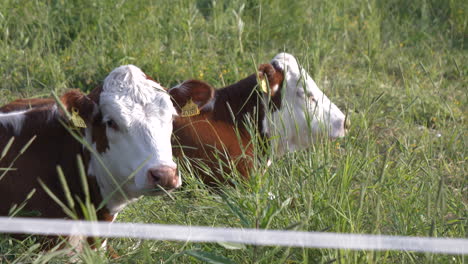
x=398 y=66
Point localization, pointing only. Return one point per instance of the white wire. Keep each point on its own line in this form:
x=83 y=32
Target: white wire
x=235 y=235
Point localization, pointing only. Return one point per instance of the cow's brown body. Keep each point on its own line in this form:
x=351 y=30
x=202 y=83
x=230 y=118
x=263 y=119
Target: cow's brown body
x=218 y=136
x=52 y=146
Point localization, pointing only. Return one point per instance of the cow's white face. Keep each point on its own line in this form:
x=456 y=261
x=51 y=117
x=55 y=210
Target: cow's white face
x=137 y=122
x=306 y=113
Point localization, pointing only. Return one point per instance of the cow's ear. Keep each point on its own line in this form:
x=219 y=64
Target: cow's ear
x=79 y=104
x=269 y=79
x=191 y=92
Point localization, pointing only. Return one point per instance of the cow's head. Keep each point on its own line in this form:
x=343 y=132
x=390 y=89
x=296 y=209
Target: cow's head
x=131 y=134
x=306 y=113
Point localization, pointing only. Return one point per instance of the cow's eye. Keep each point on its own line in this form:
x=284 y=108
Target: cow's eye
x=111 y=124
x=301 y=94
x=310 y=97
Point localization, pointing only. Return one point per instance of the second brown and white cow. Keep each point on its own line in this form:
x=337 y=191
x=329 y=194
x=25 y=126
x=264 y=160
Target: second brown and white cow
x=291 y=112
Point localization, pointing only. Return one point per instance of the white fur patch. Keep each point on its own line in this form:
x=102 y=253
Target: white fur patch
x=13 y=119
x=274 y=88
x=130 y=82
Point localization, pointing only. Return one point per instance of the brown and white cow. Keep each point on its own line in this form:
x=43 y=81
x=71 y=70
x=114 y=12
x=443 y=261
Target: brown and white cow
x=128 y=128
x=291 y=112
x=219 y=134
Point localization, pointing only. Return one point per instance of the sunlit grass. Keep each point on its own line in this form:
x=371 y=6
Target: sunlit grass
x=398 y=66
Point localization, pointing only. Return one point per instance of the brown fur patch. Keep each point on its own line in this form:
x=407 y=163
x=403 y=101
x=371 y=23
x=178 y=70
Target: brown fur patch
x=95 y=94
x=275 y=78
x=201 y=139
x=78 y=100
x=25 y=104
x=99 y=135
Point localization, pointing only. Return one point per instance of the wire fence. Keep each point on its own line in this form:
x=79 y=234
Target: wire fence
x=39 y=226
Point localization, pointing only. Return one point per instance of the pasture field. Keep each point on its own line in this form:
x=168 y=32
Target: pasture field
x=398 y=67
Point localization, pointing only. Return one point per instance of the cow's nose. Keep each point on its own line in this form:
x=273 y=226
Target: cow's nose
x=164 y=176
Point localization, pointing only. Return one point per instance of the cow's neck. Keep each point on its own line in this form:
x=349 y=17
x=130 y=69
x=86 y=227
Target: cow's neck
x=238 y=102
x=105 y=187
x=70 y=144
x=96 y=196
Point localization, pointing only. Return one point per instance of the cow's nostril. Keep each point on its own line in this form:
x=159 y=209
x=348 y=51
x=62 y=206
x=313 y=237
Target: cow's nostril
x=163 y=176
x=155 y=176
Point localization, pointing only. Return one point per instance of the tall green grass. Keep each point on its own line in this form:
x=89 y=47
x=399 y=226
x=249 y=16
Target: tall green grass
x=398 y=66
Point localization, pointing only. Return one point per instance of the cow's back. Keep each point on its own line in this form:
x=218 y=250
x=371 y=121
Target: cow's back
x=26 y=104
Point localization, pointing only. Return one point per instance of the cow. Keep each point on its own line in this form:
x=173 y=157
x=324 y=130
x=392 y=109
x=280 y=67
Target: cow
x=281 y=102
x=122 y=132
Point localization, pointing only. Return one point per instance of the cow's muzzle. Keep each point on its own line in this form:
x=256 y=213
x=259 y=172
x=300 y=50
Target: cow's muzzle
x=164 y=176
